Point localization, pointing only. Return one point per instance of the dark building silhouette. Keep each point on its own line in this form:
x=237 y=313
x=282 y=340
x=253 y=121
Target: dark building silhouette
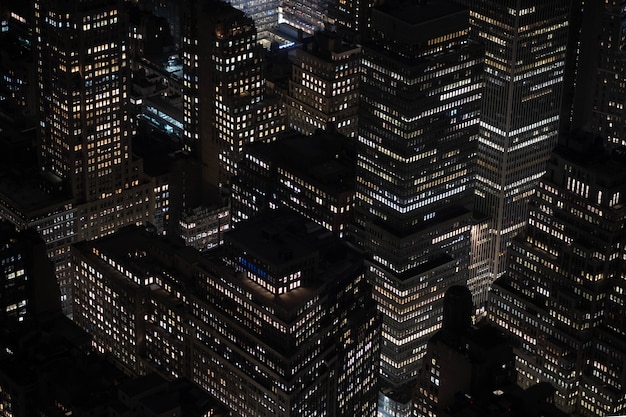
x=17 y=66
x=469 y=370
x=351 y=19
x=51 y=371
x=461 y=360
x=28 y=288
x=562 y=299
x=171 y=11
x=594 y=100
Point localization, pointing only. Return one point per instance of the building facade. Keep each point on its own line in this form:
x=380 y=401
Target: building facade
x=312 y=175
x=224 y=102
x=84 y=144
x=525 y=46
x=418 y=119
x=324 y=86
x=277 y=322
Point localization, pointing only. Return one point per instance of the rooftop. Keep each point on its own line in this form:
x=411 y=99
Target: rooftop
x=325 y=159
x=420 y=11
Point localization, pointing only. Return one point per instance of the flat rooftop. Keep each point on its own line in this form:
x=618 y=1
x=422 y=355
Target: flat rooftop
x=324 y=159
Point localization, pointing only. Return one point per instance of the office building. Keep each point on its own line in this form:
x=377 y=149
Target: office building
x=304 y=16
x=312 y=175
x=562 y=298
x=278 y=321
x=203 y=227
x=224 y=102
x=84 y=138
x=418 y=121
x=525 y=44
x=324 y=86
x=83 y=142
x=264 y=13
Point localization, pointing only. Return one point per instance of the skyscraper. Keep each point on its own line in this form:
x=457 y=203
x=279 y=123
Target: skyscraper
x=84 y=138
x=525 y=43
x=418 y=120
x=562 y=297
x=84 y=144
x=225 y=105
x=264 y=13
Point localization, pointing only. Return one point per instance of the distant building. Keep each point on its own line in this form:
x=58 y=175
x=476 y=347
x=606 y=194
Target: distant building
x=264 y=13
x=305 y=16
x=278 y=321
x=324 y=86
x=562 y=300
x=313 y=175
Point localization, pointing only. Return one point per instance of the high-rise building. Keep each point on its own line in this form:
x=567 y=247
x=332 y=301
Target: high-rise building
x=264 y=13
x=225 y=105
x=279 y=321
x=84 y=138
x=84 y=144
x=323 y=89
x=562 y=298
x=418 y=120
x=525 y=43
